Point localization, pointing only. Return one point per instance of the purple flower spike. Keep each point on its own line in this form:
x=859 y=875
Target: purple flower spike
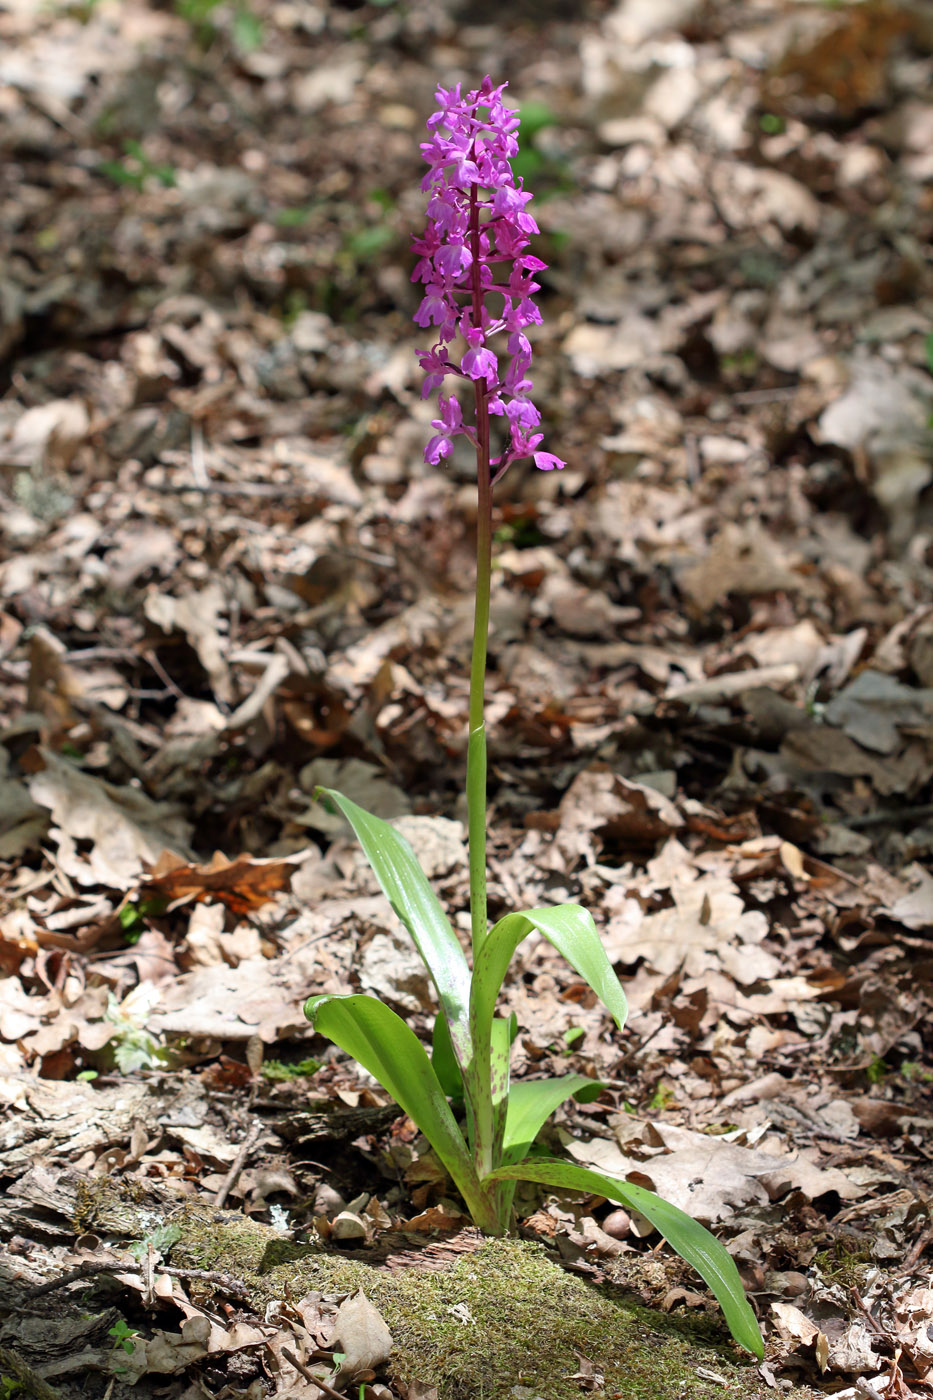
x=478 y=220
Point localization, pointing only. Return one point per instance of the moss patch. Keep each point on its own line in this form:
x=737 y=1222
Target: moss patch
x=505 y=1323
x=506 y=1316
x=509 y=1316
x=845 y=1262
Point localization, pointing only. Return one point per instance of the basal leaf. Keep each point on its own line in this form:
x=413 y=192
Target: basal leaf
x=444 y=1061
x=571 y=929
x=371 y=1032
x=499 y=1076
x=408 y=890
x=531 y=1103
x=692 y=1241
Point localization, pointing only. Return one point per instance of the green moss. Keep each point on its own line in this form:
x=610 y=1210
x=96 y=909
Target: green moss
x=845 y=1261
x=509 y=1316
x=504 y=1316
x=279 y=1070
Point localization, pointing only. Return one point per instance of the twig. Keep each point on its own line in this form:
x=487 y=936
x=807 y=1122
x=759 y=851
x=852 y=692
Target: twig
x=919 y=1245
x=897 y=816
x=734 y=683
x=163 y=675
x=240 y=488
x=198 y=465
x=88 y=1270
x=865 y=1388
x=310 y=1376
x=239 y=1161
x=234 y=1286
x=693 y=458
x=752 y=396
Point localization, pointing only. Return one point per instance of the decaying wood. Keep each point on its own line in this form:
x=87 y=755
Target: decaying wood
x=79 y=1203
x=222 y=1281
x=64 y=1202
x=15 y=1368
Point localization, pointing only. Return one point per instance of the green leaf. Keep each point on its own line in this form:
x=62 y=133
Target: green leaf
x=531 y=1103
x=692 y=1241
x=367 y=242
x=571 y=929
x=383 y=1044
x=499 y=1073
x=444 y=1061
x=406 y=887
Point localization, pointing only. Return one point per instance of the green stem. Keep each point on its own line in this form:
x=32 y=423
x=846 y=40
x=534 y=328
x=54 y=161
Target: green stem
x=476 y=751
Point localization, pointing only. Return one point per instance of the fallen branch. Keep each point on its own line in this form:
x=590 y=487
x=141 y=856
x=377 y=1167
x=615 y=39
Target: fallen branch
x=235 y=1287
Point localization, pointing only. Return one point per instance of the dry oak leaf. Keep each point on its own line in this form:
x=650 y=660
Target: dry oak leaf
x=741 y=559
x=706 y=929
x=124 y=826
x=242 y=885
x=709 y=1177
x=599 y=801
x=361 y=1334
x=915 y=908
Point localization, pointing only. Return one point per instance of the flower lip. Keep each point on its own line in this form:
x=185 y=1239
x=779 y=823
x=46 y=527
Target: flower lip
x=546 y=461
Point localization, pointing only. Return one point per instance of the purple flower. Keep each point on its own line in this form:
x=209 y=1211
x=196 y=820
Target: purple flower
x=449 y=425
x=477 y=218
x=478 y=362
x=436 y=364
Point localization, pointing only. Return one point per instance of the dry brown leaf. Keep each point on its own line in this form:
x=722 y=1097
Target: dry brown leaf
x=199 y=615
x=441 y=1219
x=793 y=1324
x=242 y=885
x=874 y=707
x=708 y=1177
x=600 y=802
x=363 y=783
x=127 y=830
x=707 y=928
x=361 y=1334
x=741 y=559
x=915 y=908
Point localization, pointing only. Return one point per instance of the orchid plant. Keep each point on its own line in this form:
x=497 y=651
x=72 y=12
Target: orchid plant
x=479 y=282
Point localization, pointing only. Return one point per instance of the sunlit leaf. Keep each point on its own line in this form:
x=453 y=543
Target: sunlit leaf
x=692 y=1241
x=382 y=1043
x=444 y=1061
x=407 y=889
x=571 y=929
x=531 y=1103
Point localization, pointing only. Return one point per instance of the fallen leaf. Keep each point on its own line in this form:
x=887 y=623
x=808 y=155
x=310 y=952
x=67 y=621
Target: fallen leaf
x=600 y=803
x=915 y=909
x=793 y=1324
x=707 y=927
x=361 y=1334
x=874 y=707
x=126 y=829
x=242 y=885
x=741 y=559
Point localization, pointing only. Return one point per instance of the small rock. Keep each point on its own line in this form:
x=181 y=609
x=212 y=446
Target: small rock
x=617 y=1224
x=328 y=1201
x=786 y=1285
x=348 y=1226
